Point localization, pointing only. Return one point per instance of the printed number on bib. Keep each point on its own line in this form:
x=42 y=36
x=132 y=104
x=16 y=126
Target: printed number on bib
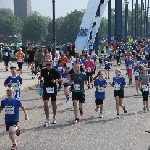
x=50 y=89
x=6 y=53
x=9 y=110
x=106 y=62
x=89 y=69
x=145 y=88
x=130 y=67
x=59 y=68
x=77 y=87
x=101 y=89
x=137 y=73
x=19 y=60
x=117 y=87
x=15 y=86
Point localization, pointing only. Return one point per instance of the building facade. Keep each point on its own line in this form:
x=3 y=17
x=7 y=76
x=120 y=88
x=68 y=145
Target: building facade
x=22 y=8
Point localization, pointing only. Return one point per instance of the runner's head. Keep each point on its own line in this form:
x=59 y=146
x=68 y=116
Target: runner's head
x=100 y=74
x=49 y=65
x=77 y=68
x=10 y=93
x=13 y=70
x=118 y=72
x=20 y=49
x=89 y=58
x=144 y=71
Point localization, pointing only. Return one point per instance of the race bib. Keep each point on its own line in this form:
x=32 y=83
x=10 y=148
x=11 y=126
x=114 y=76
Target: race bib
x=139 y=54
x=101 y=89
x=77 y=87
x=6 y=53
x=65 y=80
x=20 y=60
x=15 y=86
x=145 y=87
x=146 y=53
x=137 y=73
x=59 y=68
x=130 y=66
x=89 y=69
x=91 y=47
x=117 y=87
x=50 y=90
x=134 y=51
x=9 y=110
x=142 y=65
x=106 y=62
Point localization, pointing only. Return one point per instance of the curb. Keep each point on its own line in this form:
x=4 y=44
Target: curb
x=26 y=89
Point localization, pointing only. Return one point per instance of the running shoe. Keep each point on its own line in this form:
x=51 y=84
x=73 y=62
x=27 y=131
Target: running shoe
x=67 y=99
x=118 y=116
x=88 y=86
x=17 y=130
x=76 y=121
x=96 y=109
x=144 y=109
x=101 y=115
x=54 y=120
x=14 y=147
x=81 y=112
x=47 y=122
x=147 y=109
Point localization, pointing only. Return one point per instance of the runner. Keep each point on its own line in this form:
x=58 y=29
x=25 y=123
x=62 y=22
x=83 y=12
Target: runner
x=118 y=83
x=89 y=66
x=78 y=92
x=20 y=59
x=107 y=63
x=14 y=81
x=100 y=85
x=50 y=76
x=144 y=86
x=30 y=54
x=11 y=106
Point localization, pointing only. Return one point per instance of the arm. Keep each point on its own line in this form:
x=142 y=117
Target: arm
x=1 y=109
x=25 y=112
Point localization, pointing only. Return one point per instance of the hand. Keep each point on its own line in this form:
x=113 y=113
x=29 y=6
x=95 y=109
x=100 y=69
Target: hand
x=104 y=85
x=10 y=83
x=18 y=82
x=54 y=81
x=110 y=83
x=26 y=117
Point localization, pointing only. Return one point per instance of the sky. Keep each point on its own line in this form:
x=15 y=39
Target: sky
x=62 y=6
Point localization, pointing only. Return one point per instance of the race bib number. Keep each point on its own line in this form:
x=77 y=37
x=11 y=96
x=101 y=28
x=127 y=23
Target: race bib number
x=145 y=88
x=6 y=53
x=89 y=69
x=106 y=62
x=91 y=47
x=20 y=60
x=130 y=66
x=50 y=90
x=101 y=89
x=9 y=110
x=15 y=86
x=65 y=80
x=137 y=73
x=117 y=87
x=59 y=68
x=77 y=87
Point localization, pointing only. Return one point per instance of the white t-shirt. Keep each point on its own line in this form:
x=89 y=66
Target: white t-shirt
x=56 y=60
x=69 y=65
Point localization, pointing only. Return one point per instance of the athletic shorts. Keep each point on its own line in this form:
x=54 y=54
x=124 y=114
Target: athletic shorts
x=47 y=96
x=12 y=123
x=89 y=76
x=129 y=72
x=136 y=78
x=20 y=65
x=66 y=85
x=98 y=101
x=119 y=93
x=30 y=60
x=145 y=95
x=108 y=68
x=79 y=96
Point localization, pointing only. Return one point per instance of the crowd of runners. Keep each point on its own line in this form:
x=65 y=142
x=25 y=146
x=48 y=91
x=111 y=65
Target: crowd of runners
x=71 y=72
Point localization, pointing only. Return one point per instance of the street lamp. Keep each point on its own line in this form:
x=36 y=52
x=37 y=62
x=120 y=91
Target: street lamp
x=54 y=34
x=126 y=19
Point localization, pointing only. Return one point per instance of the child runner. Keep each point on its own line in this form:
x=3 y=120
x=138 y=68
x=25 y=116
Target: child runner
x=107 y=66
x=11 y=106
x=118 y=83
x=100 y=85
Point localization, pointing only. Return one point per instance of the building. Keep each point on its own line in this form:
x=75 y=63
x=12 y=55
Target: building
x=22 y=8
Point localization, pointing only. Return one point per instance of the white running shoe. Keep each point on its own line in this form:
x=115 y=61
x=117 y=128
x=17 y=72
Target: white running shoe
x=101 y=115
x=54 y=120
x=47 y=122
x=118 y=116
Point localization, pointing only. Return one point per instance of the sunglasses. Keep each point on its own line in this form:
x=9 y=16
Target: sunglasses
x=48 y=64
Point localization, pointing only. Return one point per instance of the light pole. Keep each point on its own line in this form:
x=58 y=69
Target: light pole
x=132 y=17
x=141 y=19
x=54 y=34
x=126 y=19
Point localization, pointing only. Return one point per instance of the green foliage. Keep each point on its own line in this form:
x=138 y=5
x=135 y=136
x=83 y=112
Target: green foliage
x=35 y=28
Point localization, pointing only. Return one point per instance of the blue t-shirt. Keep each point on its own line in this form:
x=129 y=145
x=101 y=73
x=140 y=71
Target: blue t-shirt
x=94 y=59
x=11 y=109
x=118 y=53
x=143 y=61
x=107 y=62
x=129 y=64
x=119 y=82
x=59 y=68
x=14 y=85
x=83 y=61
x=64 y=76
x=100 y=91
x=136 y=72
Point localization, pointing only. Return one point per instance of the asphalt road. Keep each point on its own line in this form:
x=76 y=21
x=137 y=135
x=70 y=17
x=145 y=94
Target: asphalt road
x=92 y=133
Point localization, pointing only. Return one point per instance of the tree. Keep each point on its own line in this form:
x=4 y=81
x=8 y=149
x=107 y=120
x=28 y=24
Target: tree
x=10 y=24
x=34 y=28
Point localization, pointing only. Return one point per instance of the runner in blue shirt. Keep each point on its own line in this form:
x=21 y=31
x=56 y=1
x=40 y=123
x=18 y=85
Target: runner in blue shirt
x=100 y=85
x=107 y=63
x=118 y=83
x=11 y=106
